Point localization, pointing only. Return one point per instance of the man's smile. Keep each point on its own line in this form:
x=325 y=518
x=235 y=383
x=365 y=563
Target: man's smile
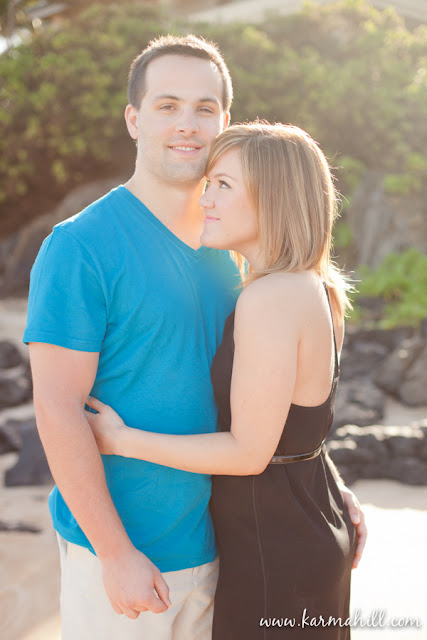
x=186 y=149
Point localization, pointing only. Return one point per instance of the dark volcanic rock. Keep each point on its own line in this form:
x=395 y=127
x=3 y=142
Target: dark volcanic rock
x=387 y=338
x=22 y=527
x=15 y=387
x=363 y=358
x=413 y=390
x=390 y=375
x=9 y=355
x=10 y=438
x=404 y=442
x=17 y=253
x=376 y=451
x=409 y=470
x=358 y=402
x=365 y=394
x=32 y=468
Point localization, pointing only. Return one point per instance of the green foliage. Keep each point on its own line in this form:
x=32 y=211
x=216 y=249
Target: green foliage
x=343 y=235
x=349 y=171
x=401 y=280
x=61 y=102
x=354 y=77
x=410 y=182
x=401 y=184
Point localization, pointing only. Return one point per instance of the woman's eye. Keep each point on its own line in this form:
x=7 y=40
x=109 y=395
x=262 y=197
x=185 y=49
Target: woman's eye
x=223 y=184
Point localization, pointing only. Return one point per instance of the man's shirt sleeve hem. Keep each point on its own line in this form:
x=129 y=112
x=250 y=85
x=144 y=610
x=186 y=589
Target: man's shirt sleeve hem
x=61 y=341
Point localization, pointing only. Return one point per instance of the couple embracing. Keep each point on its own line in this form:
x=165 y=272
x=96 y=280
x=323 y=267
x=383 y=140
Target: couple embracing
x=180 y=426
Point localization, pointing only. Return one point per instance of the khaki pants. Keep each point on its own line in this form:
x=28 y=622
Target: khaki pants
x=87 y=614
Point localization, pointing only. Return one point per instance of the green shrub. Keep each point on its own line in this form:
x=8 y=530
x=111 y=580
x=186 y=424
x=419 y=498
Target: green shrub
x=401 y=280
x=61 y=103
x=410 y=182
x=349 y=172
x=343 y=235
x=354 y=77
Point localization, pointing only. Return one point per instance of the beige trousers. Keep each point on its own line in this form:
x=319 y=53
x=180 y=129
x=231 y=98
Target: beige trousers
x=87 y=614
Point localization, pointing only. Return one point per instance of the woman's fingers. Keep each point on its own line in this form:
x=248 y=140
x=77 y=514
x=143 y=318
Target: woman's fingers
x=94 y=403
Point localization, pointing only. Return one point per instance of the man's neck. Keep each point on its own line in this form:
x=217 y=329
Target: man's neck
x=177 y=207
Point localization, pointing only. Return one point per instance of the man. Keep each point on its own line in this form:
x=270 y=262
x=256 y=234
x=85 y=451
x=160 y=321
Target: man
x=124 y=303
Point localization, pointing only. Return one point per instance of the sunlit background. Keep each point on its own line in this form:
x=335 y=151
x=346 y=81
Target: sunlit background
x=354 y=75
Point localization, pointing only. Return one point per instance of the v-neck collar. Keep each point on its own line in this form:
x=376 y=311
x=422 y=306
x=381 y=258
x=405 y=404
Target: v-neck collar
x=136 y=203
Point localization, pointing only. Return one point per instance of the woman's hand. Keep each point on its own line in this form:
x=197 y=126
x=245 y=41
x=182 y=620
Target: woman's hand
x=107 y=426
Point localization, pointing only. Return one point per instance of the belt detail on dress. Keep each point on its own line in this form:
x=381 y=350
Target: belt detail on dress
x=299 y=457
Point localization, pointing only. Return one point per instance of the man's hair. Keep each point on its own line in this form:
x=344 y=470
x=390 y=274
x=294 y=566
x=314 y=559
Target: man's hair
x=189 y=46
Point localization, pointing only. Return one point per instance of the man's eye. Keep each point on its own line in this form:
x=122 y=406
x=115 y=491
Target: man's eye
x=167 y=107
x=206 y=109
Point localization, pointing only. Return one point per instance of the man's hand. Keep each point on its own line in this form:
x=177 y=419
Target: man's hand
x=357 y=518
x=134 y=584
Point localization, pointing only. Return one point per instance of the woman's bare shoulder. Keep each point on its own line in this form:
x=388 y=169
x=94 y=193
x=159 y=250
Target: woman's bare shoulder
x=279 y=290
x=277 y=302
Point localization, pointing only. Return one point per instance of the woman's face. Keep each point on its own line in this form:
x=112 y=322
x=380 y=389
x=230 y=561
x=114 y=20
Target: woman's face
x=231 y=220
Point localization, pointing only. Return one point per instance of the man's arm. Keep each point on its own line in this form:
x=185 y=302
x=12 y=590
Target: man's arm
x=63 y=378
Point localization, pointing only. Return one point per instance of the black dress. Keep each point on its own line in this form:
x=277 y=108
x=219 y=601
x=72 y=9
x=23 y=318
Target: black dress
x=285 y=539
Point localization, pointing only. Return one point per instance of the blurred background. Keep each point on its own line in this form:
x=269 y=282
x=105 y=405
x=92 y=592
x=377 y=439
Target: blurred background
x=352 y=73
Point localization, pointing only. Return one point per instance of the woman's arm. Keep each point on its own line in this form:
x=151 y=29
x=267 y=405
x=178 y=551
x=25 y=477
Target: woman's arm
x=266 y=339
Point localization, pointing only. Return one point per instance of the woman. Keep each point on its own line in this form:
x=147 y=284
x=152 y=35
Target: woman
x=286 y=541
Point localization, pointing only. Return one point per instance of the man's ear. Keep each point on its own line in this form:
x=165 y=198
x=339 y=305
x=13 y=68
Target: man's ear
x=226 y=119
x=131 y=117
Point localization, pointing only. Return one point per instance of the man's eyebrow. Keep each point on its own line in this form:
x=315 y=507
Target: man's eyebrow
x=165 y=97
x=177 y=99
x=209 y=99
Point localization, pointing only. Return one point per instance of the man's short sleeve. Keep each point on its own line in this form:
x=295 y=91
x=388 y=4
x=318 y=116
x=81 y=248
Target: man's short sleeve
x=66 y=305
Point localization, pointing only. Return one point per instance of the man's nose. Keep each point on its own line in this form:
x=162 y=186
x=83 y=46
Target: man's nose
x=187 y=122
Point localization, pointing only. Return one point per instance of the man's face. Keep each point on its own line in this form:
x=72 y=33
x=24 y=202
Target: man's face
x=180 y=115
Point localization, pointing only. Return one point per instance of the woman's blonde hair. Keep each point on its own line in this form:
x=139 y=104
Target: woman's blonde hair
x=291 y=187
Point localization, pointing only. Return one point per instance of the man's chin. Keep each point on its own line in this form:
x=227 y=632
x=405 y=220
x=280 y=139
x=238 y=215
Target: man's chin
x=189 y=174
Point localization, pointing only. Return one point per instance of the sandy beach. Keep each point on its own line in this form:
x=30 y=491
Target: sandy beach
x=389 y=583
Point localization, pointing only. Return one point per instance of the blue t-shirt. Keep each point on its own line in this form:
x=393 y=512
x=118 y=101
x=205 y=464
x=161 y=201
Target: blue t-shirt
x=114 y=280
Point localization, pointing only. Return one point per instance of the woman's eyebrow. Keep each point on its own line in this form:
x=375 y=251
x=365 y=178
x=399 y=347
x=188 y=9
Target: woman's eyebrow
x=224 y=175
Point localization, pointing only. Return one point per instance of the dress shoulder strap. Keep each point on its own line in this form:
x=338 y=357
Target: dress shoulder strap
x=336 y=365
